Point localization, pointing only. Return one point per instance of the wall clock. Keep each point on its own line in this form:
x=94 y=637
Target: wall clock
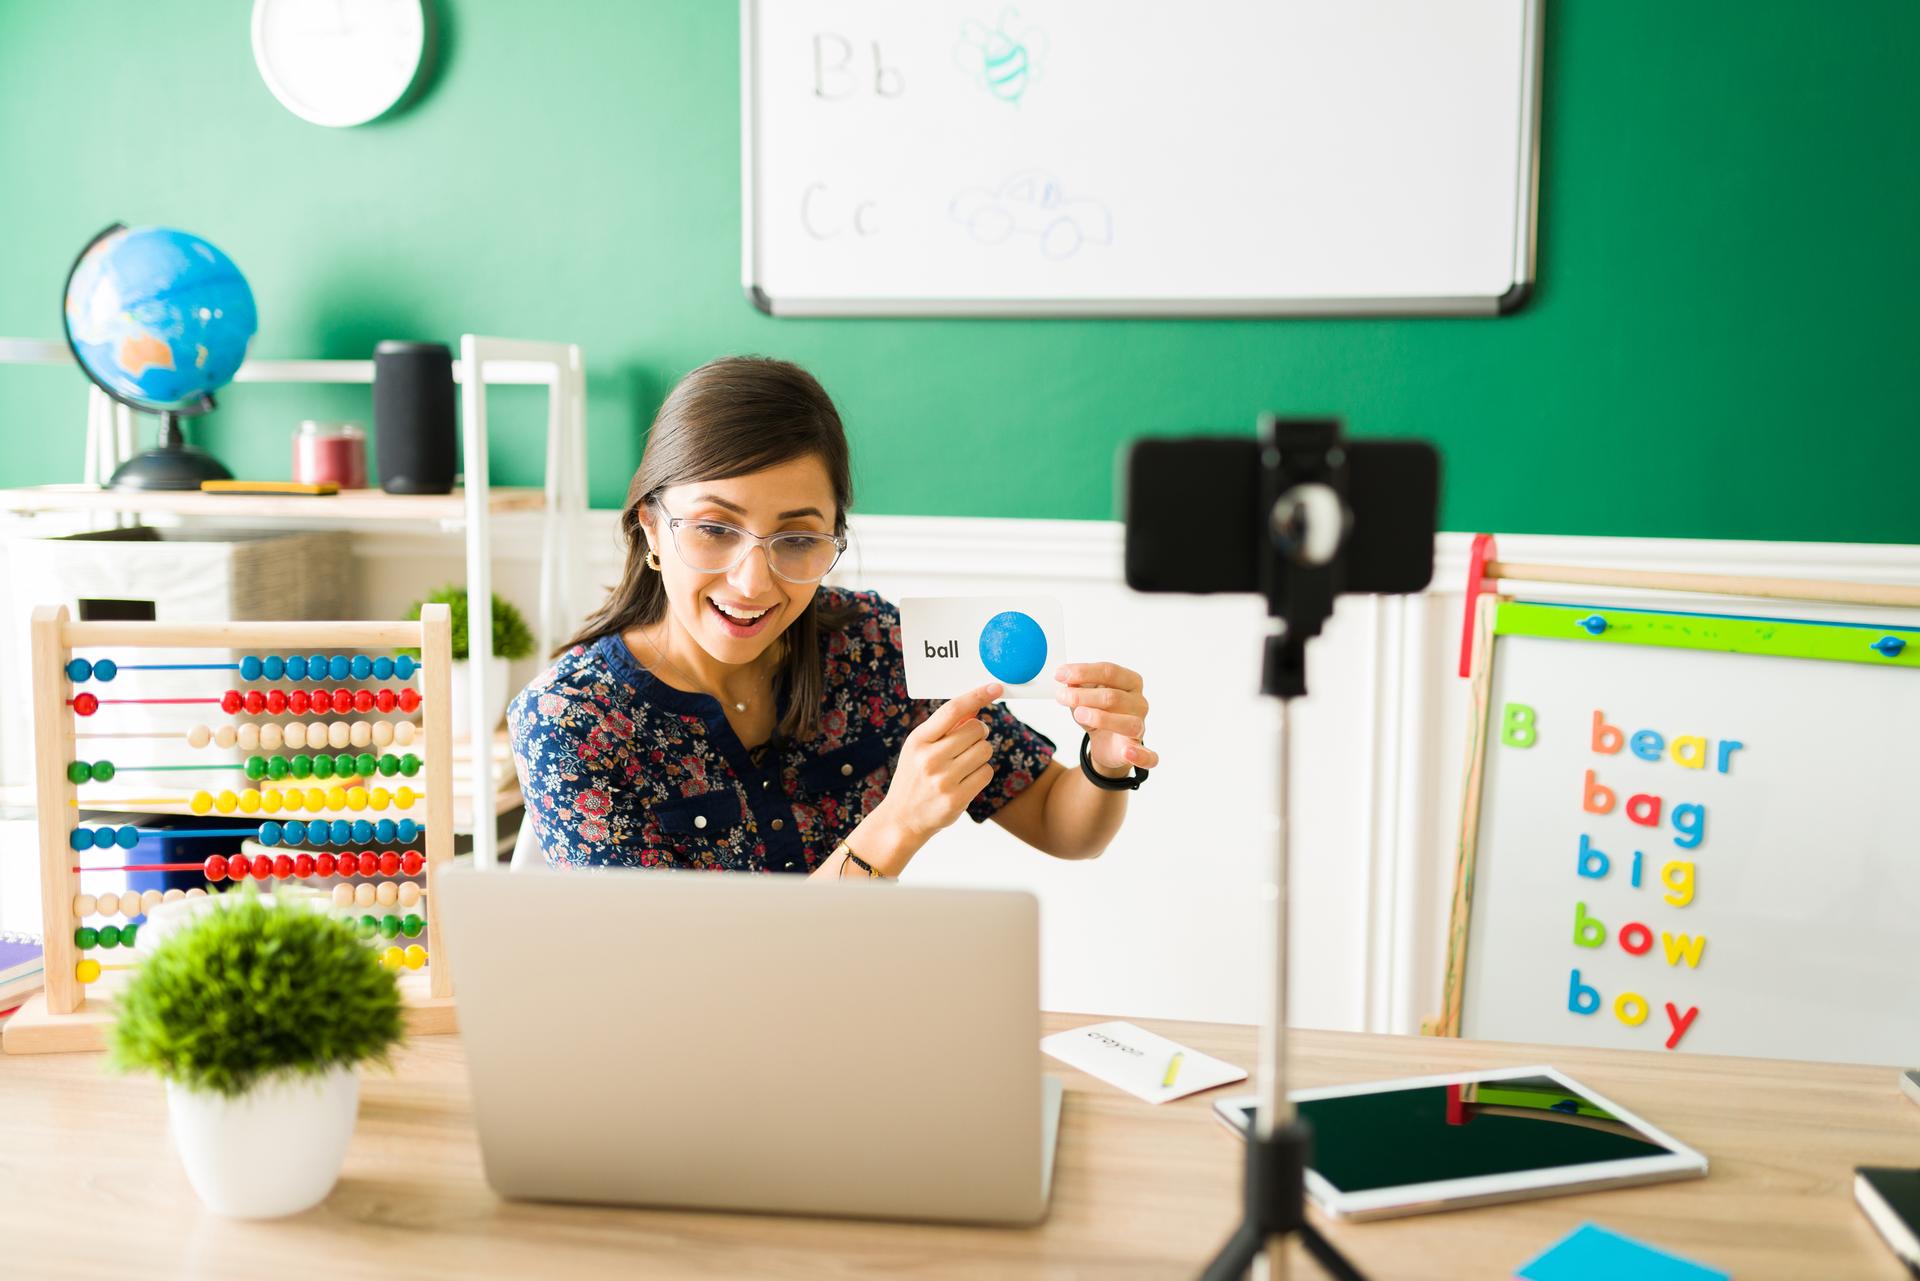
x=339 y=62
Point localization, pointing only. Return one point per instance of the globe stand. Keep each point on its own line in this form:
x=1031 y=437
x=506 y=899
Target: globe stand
x=171 y=464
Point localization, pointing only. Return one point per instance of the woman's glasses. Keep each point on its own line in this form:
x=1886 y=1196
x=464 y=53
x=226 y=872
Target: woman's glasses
x=711 y=547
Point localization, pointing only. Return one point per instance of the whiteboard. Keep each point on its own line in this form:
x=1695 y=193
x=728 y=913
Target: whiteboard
x=1806 y=881
x=1134 y=157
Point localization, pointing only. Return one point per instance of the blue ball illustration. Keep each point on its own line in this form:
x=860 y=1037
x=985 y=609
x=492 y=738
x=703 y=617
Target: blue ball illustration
x=1013 y=647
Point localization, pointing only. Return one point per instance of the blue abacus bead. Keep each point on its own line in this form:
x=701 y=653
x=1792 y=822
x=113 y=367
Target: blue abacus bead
x=383 y=668
x=339 y=666
x=78 y=670
x=342 y=831
x=105 y=670
x=404 y=666
x=80 y=838
x=362 y=667
x=383 y=831
x=316 y=667
x=296 y=832
x=127 y=837
x=250 y=668
x=270 y=833
x=273 y=667
x=296 y=667
x=407 y=829
x=362 y=830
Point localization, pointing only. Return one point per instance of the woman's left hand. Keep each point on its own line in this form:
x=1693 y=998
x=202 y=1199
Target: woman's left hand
x=1107 y=702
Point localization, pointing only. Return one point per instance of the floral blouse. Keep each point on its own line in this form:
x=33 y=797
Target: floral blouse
x=621 y=769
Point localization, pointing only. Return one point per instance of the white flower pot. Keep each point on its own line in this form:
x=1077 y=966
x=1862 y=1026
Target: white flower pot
x=275 y=1150
x=462 y=673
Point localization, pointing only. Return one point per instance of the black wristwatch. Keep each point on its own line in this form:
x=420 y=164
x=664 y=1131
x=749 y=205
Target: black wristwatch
x=1100 y=780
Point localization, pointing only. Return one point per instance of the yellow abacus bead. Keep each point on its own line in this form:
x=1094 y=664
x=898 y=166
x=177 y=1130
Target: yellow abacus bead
x=403 y=732
x=225 y=736
x=416 y=956
x=393 y=958
x=387 y=893
x=271 y=801
x=360 y=734
x=248 y=737
x=226 y=802
x=316 y=799
x=199 y=736
x=149 y=900
x=197 y=891
x=381 y=733
x=84 y=905
x=404 y=797
x=356 y=798
x=295 y=735
x=249 y=802
x=409 y=893
x=379 y=798
x=343 y=895
x=336 y=798
x=201 y=803
x=292 y=799
x=364 y=894
x=173 y=896
x=89 y=969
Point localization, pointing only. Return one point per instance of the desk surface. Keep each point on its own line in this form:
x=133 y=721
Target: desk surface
x=89 y=1185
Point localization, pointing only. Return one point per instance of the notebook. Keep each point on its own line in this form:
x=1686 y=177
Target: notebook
x=1891 y=1200
x=19 y=958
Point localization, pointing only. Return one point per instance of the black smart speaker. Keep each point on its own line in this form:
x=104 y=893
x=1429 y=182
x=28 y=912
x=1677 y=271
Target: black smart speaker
x=413 y=435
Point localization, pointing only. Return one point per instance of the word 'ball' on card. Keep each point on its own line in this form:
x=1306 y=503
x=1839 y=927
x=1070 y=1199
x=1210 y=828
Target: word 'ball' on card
x=954 y=644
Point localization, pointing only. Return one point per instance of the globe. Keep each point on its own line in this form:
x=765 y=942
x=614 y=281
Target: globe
x=159 y=319
x=1013 y=647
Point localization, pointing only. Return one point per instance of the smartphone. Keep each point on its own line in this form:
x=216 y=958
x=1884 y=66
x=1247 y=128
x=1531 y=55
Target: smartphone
x=1910 y=1082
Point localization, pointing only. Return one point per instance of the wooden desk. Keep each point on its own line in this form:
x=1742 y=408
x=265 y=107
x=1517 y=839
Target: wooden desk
x=89 y=1186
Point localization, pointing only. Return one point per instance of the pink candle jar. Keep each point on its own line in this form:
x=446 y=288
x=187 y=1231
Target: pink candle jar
x=334 y=452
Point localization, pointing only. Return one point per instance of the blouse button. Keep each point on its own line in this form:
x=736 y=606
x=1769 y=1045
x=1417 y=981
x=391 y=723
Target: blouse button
x=779 y=823
x=846 y=771
x=699 y=820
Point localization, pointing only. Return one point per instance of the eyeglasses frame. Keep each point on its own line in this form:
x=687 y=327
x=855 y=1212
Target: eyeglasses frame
x=763 y=541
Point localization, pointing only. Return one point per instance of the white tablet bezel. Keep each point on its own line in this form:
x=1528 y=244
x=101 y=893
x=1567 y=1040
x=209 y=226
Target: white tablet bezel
x=1679 y=1162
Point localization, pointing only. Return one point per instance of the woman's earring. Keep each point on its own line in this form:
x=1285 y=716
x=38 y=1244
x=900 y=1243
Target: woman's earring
x=653 y=560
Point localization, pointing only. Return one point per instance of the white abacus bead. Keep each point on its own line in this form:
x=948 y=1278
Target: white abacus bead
x=409 y=893
x=225 y=736
x=197 y=892
x=339 y=734
x=248 y=736
x=316 y=734
x=85 y=905
x=363 y=894
x=403 y=732
x=110 y=904
x=360 y=734
x=296 y=735
x=387 y=893
x=130 y=903
x=173 y=896
x=343 y=895
x=151 y=899
x=270 y=736
x=382 y=732
x=199 y=736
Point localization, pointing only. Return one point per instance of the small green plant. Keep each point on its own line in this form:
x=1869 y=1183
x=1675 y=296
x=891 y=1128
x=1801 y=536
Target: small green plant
x=251 y=990
x=512 y=638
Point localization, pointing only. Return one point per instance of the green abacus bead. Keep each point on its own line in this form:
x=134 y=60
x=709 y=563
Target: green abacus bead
x=323 y=766
x=86 y=936
x=276 y=767
x=389 y=765
x=109 y=936
x=256 y=767
x=79 y=771
x=389 y=926
x=365 y=764
x=369 y=926
x=126 y=934
x=409 y=764
x=412 y=925
x=103 y=771
x=301 y=766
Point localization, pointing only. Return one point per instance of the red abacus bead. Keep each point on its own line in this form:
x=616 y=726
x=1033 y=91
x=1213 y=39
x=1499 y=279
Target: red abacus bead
x=369 y=863
x=384 y=700
x=389 y=863
x=231 y=702
x=255 y=701
x=283 y=865
x=303 y=865
x=276 y=701
x=85 y=704
x=363 y=700
x=262 y=867
x=297 y=702
x=323 y=865
x=409 y=699
x=237 y=867
x=411 y=862
x=342 y=700
x=215 y=867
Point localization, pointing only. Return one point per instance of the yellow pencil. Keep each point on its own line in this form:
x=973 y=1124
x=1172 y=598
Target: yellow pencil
x=1173 y=1068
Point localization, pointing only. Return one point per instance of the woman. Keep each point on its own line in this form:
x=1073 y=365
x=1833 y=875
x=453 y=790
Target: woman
x=723 y=710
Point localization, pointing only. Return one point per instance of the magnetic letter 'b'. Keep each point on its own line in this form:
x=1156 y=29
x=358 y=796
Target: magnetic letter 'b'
x=1593 y=860
x=1581 y=999
x=1516 y=729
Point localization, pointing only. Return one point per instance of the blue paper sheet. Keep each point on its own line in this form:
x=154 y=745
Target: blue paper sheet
x=1592 y=1253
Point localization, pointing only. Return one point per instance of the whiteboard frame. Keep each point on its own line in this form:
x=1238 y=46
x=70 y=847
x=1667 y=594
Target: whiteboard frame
x=1526 y=217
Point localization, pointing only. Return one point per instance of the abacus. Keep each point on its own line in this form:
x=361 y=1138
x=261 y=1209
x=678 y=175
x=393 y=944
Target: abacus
x=341 y=771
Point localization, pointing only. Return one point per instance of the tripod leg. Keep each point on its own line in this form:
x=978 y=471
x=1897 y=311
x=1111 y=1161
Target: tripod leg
x=1329 y=1258
x=1236 y=1256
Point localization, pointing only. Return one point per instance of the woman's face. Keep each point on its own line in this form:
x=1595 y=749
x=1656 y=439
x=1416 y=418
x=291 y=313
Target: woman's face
x=736 y=614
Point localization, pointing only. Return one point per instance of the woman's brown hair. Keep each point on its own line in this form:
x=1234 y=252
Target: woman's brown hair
x=729 y=417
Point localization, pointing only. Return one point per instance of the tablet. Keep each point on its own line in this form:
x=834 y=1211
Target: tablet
x=1389 y=1148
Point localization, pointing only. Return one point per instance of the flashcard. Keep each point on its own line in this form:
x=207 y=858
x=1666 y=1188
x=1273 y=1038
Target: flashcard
x=954 y=644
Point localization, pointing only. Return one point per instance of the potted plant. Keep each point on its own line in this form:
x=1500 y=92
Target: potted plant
x=256 y=1014
x=512 y=641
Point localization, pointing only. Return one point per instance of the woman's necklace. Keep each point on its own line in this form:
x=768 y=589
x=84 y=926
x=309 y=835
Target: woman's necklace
x=675 y=669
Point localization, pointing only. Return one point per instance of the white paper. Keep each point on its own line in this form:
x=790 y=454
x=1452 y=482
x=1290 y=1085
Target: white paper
x=940 y=638
x=1137 y=1061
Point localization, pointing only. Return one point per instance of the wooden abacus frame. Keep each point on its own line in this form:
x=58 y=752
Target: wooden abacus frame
x=63 y=1017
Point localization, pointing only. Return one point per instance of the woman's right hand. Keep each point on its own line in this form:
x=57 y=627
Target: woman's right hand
x=943 y=765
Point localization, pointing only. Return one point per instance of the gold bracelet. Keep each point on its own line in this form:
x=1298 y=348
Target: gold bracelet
x=848 y=856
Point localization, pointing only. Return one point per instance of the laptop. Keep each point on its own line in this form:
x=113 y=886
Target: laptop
x=730 y=1042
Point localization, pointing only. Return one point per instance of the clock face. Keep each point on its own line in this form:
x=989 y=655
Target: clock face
x=338 y=62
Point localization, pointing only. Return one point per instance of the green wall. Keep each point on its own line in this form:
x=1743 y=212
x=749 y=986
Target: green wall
x=1722 y=343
